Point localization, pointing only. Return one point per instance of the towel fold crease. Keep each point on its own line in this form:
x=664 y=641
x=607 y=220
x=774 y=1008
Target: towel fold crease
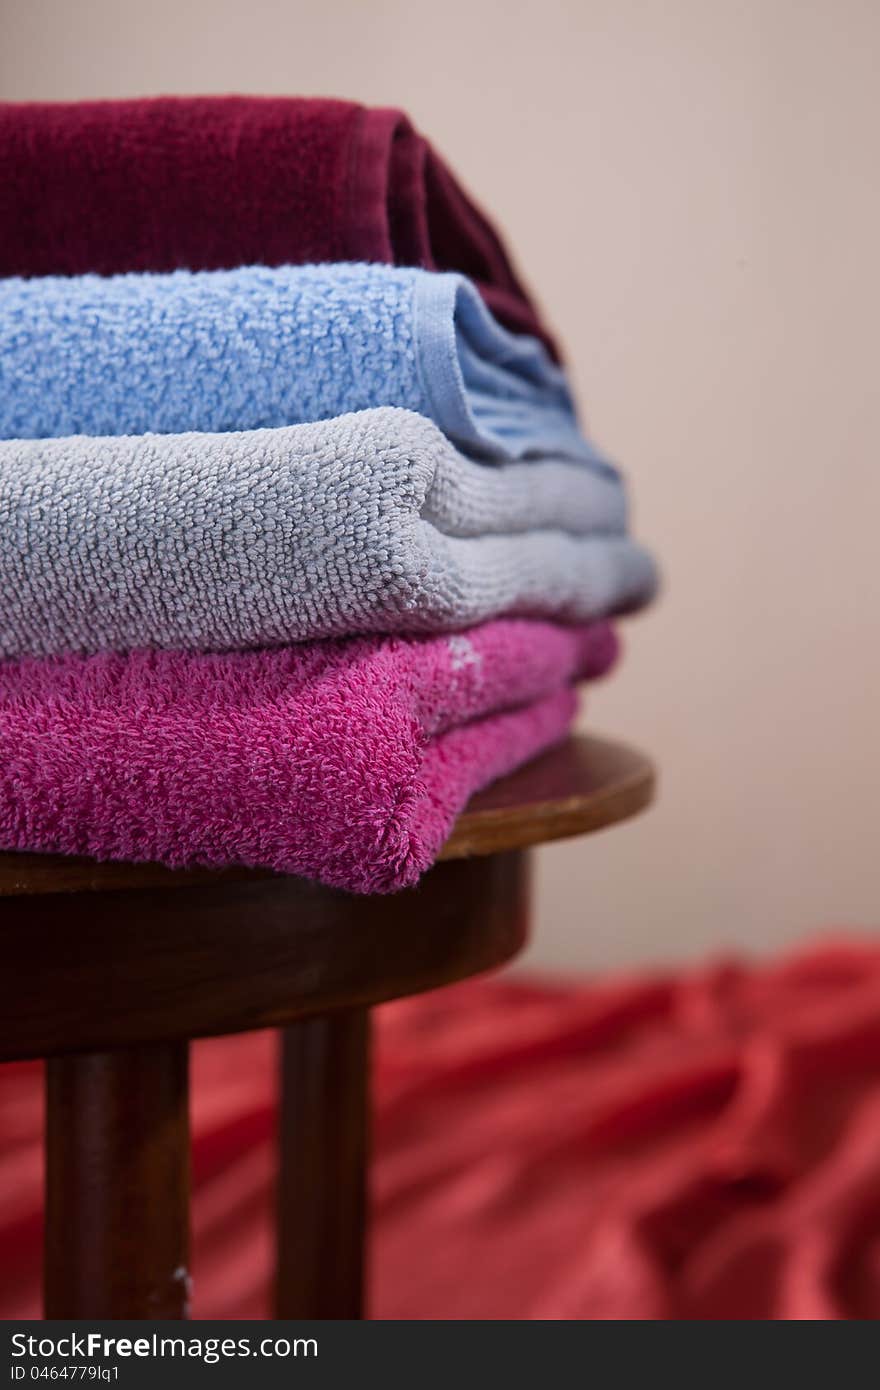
x=346 y=762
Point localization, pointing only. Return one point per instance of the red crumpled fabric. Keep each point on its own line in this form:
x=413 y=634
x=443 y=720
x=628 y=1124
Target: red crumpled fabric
x=701 y=1144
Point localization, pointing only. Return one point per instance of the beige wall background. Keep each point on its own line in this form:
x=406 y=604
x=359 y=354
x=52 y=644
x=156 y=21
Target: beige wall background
x=691 y=185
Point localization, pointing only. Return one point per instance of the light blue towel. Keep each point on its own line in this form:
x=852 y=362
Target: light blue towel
x=257 y=347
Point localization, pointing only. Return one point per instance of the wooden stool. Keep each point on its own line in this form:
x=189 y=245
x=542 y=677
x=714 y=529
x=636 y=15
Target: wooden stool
x=112 y=968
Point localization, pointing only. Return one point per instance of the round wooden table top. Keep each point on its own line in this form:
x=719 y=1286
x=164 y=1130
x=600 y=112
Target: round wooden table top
x=102 y=956
x=582 y=785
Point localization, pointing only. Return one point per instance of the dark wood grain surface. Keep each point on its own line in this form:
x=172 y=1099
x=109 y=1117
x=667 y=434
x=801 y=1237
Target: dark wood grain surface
x=117 y=1184
x=86 y=972
x=584 y=784
x=108 y=975
x=322 y=1170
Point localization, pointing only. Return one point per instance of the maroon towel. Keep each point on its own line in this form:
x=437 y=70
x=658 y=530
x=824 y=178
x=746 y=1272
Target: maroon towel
x=207 y=183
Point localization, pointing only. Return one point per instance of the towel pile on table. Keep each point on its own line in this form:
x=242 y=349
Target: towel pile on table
x=300 y=540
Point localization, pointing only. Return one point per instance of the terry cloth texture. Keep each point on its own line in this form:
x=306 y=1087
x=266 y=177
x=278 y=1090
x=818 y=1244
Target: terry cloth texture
x=254 y=347
x=208 y=183
x=372 y=522
x=342 y=761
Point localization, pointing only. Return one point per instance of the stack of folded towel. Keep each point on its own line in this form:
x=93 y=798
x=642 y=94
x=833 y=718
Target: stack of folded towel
x=300 y=540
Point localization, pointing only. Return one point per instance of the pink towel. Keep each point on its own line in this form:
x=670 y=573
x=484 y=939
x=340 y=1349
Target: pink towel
x=343 y=761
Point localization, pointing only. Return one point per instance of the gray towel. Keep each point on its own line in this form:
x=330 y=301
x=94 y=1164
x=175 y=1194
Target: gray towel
x=370 y=522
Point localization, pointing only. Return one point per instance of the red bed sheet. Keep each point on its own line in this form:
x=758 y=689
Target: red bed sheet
x=700 y=1144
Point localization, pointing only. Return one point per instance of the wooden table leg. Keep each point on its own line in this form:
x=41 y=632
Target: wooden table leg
x=323 y=1166
x=117 y=1184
